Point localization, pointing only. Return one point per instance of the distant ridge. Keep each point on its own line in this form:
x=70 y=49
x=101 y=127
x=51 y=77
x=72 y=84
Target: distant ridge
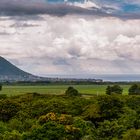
x=7 y=68
x=11 y=73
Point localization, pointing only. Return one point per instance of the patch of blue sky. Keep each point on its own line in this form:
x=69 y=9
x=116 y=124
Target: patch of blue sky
x=124 y=6
x=130 y=8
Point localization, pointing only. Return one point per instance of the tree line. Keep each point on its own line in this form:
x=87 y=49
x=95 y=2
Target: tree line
x=116 y=89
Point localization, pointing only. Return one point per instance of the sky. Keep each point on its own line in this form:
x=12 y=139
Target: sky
x=71 y=37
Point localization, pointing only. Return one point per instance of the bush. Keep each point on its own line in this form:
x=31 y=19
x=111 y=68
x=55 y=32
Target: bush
x=132 y=134
x=3 y=96
x=3 y=127
x=0 y=87
x=49 y=131
x=134 y=90
x=8 y=109
x=110 y=106
x=72 y=92
x=116 y=89
x=14 y=135
x=107 y=130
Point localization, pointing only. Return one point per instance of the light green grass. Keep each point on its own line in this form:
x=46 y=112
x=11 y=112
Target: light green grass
x=60 y=89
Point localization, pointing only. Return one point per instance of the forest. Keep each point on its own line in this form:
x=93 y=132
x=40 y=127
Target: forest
x=71 y=116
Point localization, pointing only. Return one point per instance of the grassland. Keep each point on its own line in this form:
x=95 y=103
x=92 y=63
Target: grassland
x=57 y=89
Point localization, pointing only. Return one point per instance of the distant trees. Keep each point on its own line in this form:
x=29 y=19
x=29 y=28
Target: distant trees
x=114 y=89
x=72 y=92
x=0 y=87
x=134 y=89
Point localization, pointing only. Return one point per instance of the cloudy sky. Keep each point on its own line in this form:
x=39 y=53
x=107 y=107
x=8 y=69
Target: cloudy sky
x=70 y=37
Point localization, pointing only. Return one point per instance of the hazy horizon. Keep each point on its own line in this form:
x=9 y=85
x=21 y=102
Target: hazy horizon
x=104 y=77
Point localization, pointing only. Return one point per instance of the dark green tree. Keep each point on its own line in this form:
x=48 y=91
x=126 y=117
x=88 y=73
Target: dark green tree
x=49 y=131
x=108 y=90
x=109 y=130
x=134 y=90
x=0 y=87
x=72 y=92
x=116 y=89
x=110 y=107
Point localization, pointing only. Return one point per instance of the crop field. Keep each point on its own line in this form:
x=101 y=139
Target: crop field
x=58 y=89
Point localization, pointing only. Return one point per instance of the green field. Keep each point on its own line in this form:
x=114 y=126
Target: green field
x=57 y=89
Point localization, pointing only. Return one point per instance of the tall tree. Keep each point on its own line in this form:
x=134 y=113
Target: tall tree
x=134 y=90
x=72 y=92
x=0 y=87
x=114 y=89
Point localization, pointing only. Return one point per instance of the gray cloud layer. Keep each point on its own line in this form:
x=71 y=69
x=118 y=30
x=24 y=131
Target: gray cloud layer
x=24 y=7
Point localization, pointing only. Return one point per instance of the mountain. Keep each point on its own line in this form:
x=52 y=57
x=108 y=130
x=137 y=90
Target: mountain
x=6 y=68
x=9 y=72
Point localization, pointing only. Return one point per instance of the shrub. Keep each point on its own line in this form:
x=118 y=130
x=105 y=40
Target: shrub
x=132 y=134
x=110 y=106
x=72 y=92
x=116 y=89
x=8 y=109
x=3 y=96
x=0 y=87
x=134 y=90
x=14 y=135
x=49 y=131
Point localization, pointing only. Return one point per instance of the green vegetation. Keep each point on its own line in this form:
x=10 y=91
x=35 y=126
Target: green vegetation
x=0 y=87
x=134 y=89
x=72 y=92
x=58 y=89
x=115 y=89
x=132 y=134
x=68 y=116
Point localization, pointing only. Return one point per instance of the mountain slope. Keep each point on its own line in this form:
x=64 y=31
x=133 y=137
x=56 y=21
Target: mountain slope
x=6 y=68
x=10 y=73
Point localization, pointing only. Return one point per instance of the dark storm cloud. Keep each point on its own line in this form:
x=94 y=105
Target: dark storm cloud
x=12 y=7
x=23 y=7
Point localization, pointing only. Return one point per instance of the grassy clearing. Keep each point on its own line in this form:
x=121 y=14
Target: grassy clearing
x=60 y=89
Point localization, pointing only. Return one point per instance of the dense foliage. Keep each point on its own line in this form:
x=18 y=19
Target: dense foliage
x=134 y=89
x=60 y=117
x=115 y=89
x=0 y=87
x=72 y=92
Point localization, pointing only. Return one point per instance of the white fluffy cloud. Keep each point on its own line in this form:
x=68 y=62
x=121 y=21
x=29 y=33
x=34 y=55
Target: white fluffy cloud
x=71 y=44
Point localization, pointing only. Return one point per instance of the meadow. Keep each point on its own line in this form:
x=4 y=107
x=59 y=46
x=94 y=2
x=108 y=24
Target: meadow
x=58 y=89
